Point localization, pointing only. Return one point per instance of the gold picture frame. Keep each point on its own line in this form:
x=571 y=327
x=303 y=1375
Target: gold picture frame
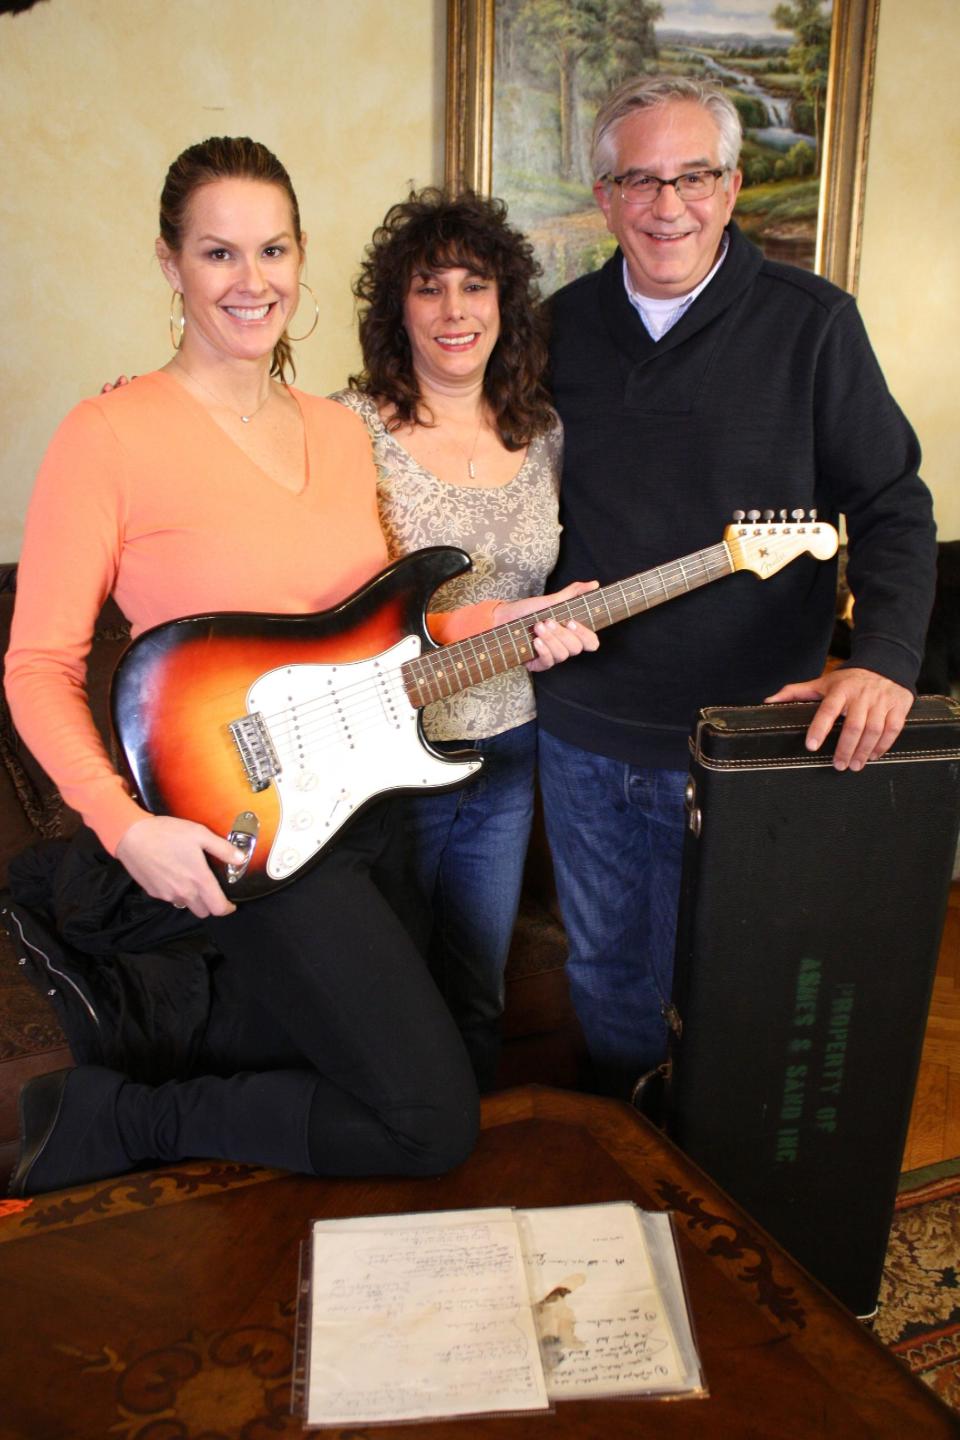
x=853 y=45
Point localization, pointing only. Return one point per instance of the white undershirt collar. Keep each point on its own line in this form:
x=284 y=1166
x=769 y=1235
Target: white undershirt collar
x=659 y=316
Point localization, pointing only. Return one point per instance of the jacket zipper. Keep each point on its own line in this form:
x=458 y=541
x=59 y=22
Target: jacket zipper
x=52 y=969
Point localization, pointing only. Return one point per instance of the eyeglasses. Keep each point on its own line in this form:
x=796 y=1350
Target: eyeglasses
x=636 y=188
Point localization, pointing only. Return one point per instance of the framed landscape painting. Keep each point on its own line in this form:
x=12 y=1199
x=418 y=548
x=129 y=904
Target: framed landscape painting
x=525 y=78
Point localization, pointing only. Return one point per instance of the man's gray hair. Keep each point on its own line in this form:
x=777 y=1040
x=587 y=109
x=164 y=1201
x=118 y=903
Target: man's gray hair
x=644 y=92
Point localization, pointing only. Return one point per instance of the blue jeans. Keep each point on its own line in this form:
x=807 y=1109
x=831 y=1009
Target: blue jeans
x=467 y=849
x=616 y=836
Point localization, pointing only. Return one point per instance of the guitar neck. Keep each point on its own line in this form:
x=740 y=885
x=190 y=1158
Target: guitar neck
x=456 y=667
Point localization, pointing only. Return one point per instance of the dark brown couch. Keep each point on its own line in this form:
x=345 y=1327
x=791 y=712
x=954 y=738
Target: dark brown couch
x=31 y=809
x=543 y=1041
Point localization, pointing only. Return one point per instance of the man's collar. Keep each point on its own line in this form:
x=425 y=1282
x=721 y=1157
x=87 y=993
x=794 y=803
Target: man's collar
x=657 y=315
x=738 y=271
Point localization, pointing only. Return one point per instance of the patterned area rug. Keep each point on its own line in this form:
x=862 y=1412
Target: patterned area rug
x=919 y=1312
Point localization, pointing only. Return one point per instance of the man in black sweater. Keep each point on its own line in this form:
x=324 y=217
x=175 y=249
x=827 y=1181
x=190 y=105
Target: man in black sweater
x=695 y=378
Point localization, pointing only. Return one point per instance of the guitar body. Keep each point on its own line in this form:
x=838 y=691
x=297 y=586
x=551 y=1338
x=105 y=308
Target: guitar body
x=322 y=724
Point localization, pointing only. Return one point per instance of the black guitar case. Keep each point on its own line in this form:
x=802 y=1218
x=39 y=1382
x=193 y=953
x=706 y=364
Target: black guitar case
x=811 y=913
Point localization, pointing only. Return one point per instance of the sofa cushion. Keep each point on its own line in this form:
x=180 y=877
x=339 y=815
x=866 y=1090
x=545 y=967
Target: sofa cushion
x=31 y=807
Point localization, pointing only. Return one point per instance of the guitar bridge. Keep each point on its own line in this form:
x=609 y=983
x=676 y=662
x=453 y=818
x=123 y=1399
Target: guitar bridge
x=257 y=755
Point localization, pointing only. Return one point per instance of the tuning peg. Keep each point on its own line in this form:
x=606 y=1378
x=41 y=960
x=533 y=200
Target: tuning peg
x=738 y=515
x=797 y=515
x=753 y=516
x=783 y=516
x=813 y=514
x=768 y=516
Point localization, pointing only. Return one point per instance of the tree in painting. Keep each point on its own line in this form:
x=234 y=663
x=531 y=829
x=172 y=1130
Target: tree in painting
x=561 y=37
x=577 y=49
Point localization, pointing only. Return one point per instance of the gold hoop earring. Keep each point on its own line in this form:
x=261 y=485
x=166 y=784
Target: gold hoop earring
x=316 y=315
x=177 y=322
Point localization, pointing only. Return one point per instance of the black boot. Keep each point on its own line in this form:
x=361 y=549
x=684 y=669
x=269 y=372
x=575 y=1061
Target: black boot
x=85 y=1124
x=68 y=1130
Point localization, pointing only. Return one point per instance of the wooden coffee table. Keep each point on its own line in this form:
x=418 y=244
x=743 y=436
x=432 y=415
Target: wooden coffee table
x=161 y=1306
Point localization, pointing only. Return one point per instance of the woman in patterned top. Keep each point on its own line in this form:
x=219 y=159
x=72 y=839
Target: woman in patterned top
x=468 y=452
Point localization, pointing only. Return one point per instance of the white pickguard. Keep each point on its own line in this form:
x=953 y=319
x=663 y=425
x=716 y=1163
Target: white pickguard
x=342 y=734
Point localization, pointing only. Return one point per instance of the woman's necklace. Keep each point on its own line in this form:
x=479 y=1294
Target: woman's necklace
x=245 y=418
x=471 y=467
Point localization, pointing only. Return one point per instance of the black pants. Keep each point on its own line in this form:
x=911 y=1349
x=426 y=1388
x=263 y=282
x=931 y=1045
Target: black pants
x=324 y=976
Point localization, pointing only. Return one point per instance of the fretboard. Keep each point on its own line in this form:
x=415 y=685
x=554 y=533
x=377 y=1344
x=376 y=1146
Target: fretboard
x=456 y=667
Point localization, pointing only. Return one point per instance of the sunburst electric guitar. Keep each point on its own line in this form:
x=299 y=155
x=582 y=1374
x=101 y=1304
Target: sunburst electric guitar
x=275 y=730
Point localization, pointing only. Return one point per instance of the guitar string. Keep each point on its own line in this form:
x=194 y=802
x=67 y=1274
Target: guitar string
x=298 y=713
x=317 y=721
x=631 y=590
x=700 y=568
x=306 y=720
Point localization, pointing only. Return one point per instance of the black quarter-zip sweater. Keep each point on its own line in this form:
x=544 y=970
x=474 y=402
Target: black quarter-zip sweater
x=765 y=395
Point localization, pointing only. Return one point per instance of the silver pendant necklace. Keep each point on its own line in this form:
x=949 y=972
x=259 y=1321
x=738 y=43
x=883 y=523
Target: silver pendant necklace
x=245 y=418
x=471 y=467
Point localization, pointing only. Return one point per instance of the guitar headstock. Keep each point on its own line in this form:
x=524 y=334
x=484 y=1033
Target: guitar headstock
x=764 y=545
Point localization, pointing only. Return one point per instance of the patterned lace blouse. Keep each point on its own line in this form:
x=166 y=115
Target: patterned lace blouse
x=511 y=532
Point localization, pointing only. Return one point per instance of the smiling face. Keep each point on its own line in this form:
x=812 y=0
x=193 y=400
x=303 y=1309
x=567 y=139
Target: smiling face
x=452 y=319
x=671 y=245
x=238 y=269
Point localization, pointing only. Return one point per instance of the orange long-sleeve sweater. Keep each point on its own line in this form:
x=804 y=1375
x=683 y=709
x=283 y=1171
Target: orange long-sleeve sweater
x=142 y=495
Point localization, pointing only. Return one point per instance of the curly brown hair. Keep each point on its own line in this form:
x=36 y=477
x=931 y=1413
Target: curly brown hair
x=433 y=230
x=226 y=157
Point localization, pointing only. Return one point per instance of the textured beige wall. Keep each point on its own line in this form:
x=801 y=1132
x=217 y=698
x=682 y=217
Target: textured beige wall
x=910 y=261
x=96 y=98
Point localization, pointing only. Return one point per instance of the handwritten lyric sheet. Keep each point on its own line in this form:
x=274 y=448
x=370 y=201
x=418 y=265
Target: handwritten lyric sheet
x=603 y=1324
x=420 y=1315
x=469 y=1312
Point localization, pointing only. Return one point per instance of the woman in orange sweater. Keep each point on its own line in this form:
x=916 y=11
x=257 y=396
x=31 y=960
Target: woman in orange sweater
x=212 y=485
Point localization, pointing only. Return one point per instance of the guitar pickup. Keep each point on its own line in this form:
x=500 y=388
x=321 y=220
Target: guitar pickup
x=257 y=754
x=244 y=835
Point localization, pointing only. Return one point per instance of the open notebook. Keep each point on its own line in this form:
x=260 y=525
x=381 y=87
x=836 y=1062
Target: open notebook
x=469 y=1312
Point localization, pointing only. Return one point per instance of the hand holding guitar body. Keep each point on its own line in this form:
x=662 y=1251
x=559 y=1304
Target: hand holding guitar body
x=168 y=859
